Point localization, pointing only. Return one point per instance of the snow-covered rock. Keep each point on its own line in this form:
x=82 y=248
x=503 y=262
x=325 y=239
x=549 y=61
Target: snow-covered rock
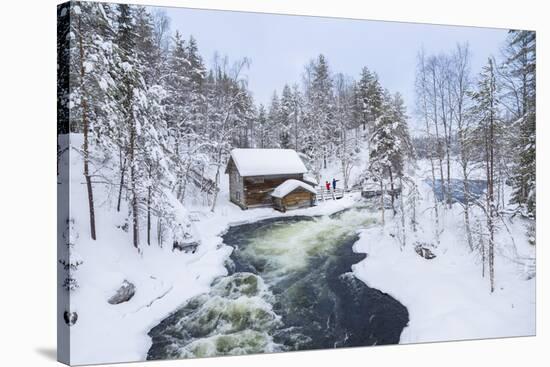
x=123 y=294
x=423 y=250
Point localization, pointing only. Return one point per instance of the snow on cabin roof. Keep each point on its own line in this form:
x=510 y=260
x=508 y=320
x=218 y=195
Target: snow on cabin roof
x=290 y=185
x=265 y=162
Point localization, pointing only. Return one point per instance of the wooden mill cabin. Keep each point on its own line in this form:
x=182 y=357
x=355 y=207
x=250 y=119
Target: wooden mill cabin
x=268 y=178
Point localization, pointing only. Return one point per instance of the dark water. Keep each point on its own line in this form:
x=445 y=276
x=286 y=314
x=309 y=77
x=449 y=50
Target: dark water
x=476 y=188
x=289 y=287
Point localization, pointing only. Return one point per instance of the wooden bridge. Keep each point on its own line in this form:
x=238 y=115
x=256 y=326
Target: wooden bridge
x=324 y=194
x=370 y=192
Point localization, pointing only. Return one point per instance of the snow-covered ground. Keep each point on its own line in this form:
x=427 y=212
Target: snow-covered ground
x=446 y=297
x=164 y=279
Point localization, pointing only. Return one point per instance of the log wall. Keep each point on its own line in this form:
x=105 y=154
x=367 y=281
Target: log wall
x=257 y=189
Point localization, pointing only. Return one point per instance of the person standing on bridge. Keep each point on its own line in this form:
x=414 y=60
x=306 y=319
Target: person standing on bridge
x=327 y=184
x=334 y=183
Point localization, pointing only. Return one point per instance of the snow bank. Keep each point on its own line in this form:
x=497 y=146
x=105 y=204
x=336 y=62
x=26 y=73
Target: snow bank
x=164 y=279
x=447 y=297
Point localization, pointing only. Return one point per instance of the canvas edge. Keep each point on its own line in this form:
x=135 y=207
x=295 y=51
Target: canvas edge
x=63 y=186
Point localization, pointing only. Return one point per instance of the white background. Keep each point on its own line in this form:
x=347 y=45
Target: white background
x=28 y=189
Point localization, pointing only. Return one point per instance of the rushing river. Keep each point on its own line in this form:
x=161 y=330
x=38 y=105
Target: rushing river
x=289 y=287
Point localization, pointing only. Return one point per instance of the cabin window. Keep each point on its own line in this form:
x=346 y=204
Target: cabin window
x=238 y=196
x=257 y=180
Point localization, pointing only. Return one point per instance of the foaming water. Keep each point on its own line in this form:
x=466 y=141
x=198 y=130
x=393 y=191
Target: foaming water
x=285 y=247
x=290 y=287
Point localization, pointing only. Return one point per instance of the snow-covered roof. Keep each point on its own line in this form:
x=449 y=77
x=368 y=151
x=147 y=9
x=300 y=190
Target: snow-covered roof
x=290 y=185
x=265 y=162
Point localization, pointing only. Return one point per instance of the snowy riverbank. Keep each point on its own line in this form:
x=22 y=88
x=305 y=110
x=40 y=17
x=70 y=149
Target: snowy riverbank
x=446 y=297
x=164 y=279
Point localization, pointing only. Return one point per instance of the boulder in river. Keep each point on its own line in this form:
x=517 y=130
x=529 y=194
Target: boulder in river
x=423 y=249
x=123 y=294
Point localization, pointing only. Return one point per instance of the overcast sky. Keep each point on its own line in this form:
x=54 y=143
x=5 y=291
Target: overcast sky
x=280 y=45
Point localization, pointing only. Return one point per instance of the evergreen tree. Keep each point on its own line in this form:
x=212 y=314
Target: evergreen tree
x=320 y=105
x=130 y=88
x=297 y=118
x=286 y=109
x=89 y=99
x=262 y=129
x=520 y=66
x=389 y=143
x=274 y=122
x=364 y=103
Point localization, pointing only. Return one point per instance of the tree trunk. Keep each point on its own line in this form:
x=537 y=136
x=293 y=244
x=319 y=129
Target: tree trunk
x=402 y=204
x=432 y=164
x=382 y=200
x=491 y=208
x=149 y=215
x=436 y=209
x=86 y=128
x=467 y=213
x=122 y=163
x=482 y=245
x=392 y=188
x=216 y=181
x=465 y=186
x=438 y=140
x=447 y=144
x=133 y=174
x=413 y=216
x=159 y=231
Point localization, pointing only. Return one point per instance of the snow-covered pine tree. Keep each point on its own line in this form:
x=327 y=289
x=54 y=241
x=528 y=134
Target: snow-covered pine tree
x=389 y=142
x=176 y=83
x=90 y=98
x=320 y=109
x=375 y=98
x=131 y=88
x=274 y=122
x=297 y=118
x=286 y=117
x=196 y=74
x=147 y=52
x=262 y=129
x=520 y=73
x=365 y=106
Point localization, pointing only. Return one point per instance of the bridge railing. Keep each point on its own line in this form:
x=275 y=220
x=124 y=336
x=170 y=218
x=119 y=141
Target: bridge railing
x=324 y=194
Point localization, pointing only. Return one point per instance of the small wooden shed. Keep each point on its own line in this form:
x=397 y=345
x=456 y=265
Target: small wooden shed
x=255 y=173
x=293 y=194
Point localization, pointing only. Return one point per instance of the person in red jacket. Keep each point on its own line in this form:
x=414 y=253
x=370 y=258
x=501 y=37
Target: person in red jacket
x=327 y=184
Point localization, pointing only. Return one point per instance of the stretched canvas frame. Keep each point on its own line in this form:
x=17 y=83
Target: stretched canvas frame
x=385 y=197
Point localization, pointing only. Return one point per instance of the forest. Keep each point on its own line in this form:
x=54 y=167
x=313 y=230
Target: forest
x=158 y=123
